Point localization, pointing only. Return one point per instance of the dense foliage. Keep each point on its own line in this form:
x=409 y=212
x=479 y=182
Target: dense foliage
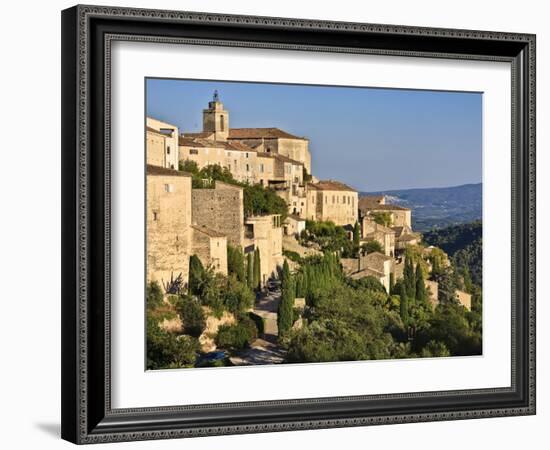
x=329 y=238
x=286 y=305
x=237 y=336
x=463 y=243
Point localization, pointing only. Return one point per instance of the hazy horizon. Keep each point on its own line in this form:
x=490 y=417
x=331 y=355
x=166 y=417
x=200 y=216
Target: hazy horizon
x=423 y=139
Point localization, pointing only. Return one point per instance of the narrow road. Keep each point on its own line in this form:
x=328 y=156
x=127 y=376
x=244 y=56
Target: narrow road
x=265 y=349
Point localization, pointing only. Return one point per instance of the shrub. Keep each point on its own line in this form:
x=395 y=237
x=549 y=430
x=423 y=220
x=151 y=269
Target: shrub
x=168 y=350
x=238 y=296
x=154 y=295
x=192 y=315
x=237 y=336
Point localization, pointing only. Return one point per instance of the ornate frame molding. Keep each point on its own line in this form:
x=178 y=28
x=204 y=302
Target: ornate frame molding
x=87 y=38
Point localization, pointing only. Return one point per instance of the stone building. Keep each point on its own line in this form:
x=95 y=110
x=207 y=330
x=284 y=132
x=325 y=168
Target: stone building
x=294 y=225
x=220 y=208
x=211 y=248
x=266 y=156
x=275 y=141
x=464 y=299
x=371 y=205
x=373 y=264
x=265 y=233
x=168 y=224
x=331 y=200
x=162 y=144
x=385 y=236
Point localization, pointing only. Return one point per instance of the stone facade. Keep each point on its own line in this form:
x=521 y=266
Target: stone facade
x=371 y=205
x=331 y=201
x=265 y=233
x=294 y=225
x=211 y=248
x=464 y=299
x=168 y=224
x=372 y=231
x=220 y=209
x=162 y=144
x=374 y=264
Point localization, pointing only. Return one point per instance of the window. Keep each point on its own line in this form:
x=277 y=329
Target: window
x=155 y=215
x=167 y=149
x=247 y=168
x=246 y=155
x=169 y=187
x=193 y=151
x=261 y=168
x=333 y=200
x=222 y=123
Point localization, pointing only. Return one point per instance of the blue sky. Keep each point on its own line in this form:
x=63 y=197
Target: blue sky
x=372 y=139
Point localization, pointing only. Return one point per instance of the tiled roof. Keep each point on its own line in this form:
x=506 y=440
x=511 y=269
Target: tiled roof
x=368 y=204
x=330 y=185
x=368 y=201
x=377 y=257
x=157 y=170
x=199 y=134
x=185 y=141
x=260 y=133
x=208 y=231
x=366 y=273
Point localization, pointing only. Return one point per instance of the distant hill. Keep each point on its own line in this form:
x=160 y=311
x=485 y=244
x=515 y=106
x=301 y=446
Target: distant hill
x=438 y=207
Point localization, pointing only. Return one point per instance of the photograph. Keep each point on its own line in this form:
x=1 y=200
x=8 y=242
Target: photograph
x=290 y=223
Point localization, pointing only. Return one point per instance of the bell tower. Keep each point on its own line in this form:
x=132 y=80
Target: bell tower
x=215 y=119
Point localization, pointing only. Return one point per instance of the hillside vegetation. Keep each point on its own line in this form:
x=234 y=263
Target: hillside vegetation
x=463 y=243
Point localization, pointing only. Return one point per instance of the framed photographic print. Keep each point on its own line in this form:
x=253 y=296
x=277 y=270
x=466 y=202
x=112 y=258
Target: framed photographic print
x=282 y=224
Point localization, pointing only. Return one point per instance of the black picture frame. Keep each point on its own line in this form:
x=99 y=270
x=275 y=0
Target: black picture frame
x=87 y=32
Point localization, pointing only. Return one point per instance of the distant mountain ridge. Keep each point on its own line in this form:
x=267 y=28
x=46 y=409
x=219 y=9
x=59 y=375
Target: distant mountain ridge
x=438 y=207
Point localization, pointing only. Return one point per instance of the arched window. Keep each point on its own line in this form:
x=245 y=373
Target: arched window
x=222 y=123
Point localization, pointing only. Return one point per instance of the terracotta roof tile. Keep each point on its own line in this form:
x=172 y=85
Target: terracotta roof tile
x=330 y=185
x=261 y=133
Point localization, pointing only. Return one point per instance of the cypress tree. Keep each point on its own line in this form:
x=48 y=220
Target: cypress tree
x=356 y=234
x=235 y=262
x=249 y=271
x=257 y=270
x=409 y=278
x=421 y=293
x=196 y=272
x=404 y=305
x=286 y=305
x=392 y=282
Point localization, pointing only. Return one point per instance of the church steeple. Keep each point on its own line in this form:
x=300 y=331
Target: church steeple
x=215 y=119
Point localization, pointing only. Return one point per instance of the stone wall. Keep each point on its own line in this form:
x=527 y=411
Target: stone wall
x=155 y=149
x=168 y=224
x=267 y=237
x=220 y=209
x=211 y=248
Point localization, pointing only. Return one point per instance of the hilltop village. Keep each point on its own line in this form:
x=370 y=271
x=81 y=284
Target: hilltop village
x=198 y=212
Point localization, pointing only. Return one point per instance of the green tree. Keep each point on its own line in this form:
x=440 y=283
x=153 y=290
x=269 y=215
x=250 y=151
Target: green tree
x=382 y=218
x=250 y=270
x=392 y=281
x=154 y=295
x=196 y=275
x=356 y=234
x=192 y=315
x=189 y=167
x=371 y=247
x=409 y=278
x=404 y=305
x=257 y=275
x=167 y=350
x=286 y=304
x=235 y=262
x=420 y=291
